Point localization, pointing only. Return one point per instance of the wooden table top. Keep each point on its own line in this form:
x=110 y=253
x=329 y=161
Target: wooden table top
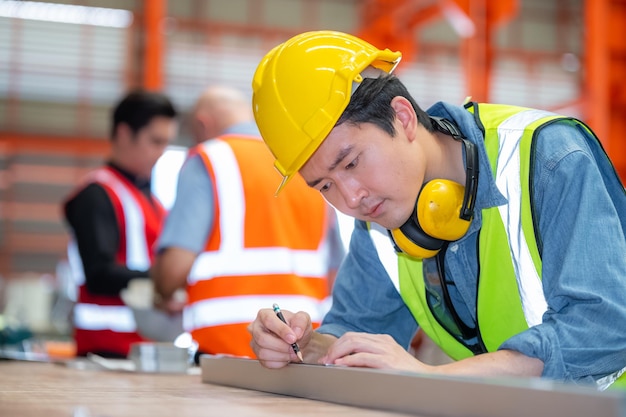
x=65 y=390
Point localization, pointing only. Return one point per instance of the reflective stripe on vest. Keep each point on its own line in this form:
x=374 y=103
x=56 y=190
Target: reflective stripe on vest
x=98 y=317
x=75 y=262
x=512 y=179
x=616 y=380
x=244 y=309
x=87 y=316
x=500 y=227
x=233 y=259
x=137 y=248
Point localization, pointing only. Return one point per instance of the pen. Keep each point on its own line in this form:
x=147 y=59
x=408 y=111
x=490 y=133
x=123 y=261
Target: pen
x=295 y=346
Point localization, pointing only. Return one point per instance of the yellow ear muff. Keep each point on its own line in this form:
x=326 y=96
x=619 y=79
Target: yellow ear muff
x=409 y=247
x=439 y=207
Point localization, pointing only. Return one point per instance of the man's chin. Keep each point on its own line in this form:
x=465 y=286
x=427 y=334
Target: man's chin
x=384 y=224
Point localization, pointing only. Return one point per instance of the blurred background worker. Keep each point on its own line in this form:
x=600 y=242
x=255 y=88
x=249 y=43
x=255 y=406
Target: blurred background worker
x=233 y=244
x=221 y=110
x=115 y=220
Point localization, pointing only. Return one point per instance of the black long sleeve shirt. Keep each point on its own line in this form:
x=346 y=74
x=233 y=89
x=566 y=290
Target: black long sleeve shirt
x=91 y=216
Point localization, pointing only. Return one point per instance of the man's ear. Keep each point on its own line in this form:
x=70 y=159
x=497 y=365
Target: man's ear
x=405 y=114
x=123 y=133
x=198 y=127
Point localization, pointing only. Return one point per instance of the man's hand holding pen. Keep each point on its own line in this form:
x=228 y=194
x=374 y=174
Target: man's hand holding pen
x=294 y=345
x=272 y=339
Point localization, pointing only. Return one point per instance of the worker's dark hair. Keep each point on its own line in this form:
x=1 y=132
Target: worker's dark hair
x=139 y=107
x=371 y=103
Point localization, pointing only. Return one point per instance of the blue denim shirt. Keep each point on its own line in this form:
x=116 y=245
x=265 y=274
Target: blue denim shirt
x=580 y=206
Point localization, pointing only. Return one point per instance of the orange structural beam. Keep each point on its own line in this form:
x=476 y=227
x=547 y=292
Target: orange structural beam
x=11 y=143
x=597 y=67
x=482 y=16
x=392 y=24
x=500 y=11
x=478 y=52
x=155 y=12
x=605 y=67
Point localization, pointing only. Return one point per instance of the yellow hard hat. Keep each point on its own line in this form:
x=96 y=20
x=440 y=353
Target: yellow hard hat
x=301 y=88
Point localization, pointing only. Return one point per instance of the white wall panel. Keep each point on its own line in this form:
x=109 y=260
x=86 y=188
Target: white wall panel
x=59 y=62
x=229 y=11
x=434 y=78
x=191 y=68
x=340 y=15
x=283 y=13
x=544 y=85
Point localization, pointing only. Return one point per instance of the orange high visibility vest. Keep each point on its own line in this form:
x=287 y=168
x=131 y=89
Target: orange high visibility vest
x=102 y=323
x=262 y=249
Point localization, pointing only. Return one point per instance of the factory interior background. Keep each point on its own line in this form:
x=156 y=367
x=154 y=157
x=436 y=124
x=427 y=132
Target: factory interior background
x=64 y=63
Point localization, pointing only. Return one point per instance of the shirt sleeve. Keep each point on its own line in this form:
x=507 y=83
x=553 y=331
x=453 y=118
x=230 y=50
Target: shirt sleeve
x=190 y=220
x=364 y=298
x=581 y=209
x=95 y=228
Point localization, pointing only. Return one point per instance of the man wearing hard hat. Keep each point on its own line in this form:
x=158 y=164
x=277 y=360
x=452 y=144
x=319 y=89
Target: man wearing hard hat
x=500 y=231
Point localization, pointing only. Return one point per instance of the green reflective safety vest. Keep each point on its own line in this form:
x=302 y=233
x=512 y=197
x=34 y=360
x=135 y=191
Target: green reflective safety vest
x=510 y=297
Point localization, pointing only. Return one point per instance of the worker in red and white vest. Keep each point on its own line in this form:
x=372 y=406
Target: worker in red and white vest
x=114 y=220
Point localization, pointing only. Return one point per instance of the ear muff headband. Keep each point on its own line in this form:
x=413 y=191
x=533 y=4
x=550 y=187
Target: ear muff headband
x=471 y=163
x=471 y=180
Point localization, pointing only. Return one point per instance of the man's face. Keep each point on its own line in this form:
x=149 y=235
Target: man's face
x=367 y=174
x=148 y=144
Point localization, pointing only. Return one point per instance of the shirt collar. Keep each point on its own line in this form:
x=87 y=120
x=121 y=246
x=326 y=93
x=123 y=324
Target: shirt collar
x=245 y=128
x=140 y=183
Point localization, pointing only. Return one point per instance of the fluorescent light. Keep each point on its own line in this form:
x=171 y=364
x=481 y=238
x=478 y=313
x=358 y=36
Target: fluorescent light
x=66 y=13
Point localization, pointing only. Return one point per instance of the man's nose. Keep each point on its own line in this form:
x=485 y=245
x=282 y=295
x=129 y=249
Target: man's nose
x=352 y=193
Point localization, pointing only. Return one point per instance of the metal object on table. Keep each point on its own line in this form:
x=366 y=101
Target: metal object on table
x=152 y=323
x=159 y=357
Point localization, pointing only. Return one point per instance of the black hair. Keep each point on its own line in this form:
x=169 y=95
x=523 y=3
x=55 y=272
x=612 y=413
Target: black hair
x=371 y=103
x=139 y=107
